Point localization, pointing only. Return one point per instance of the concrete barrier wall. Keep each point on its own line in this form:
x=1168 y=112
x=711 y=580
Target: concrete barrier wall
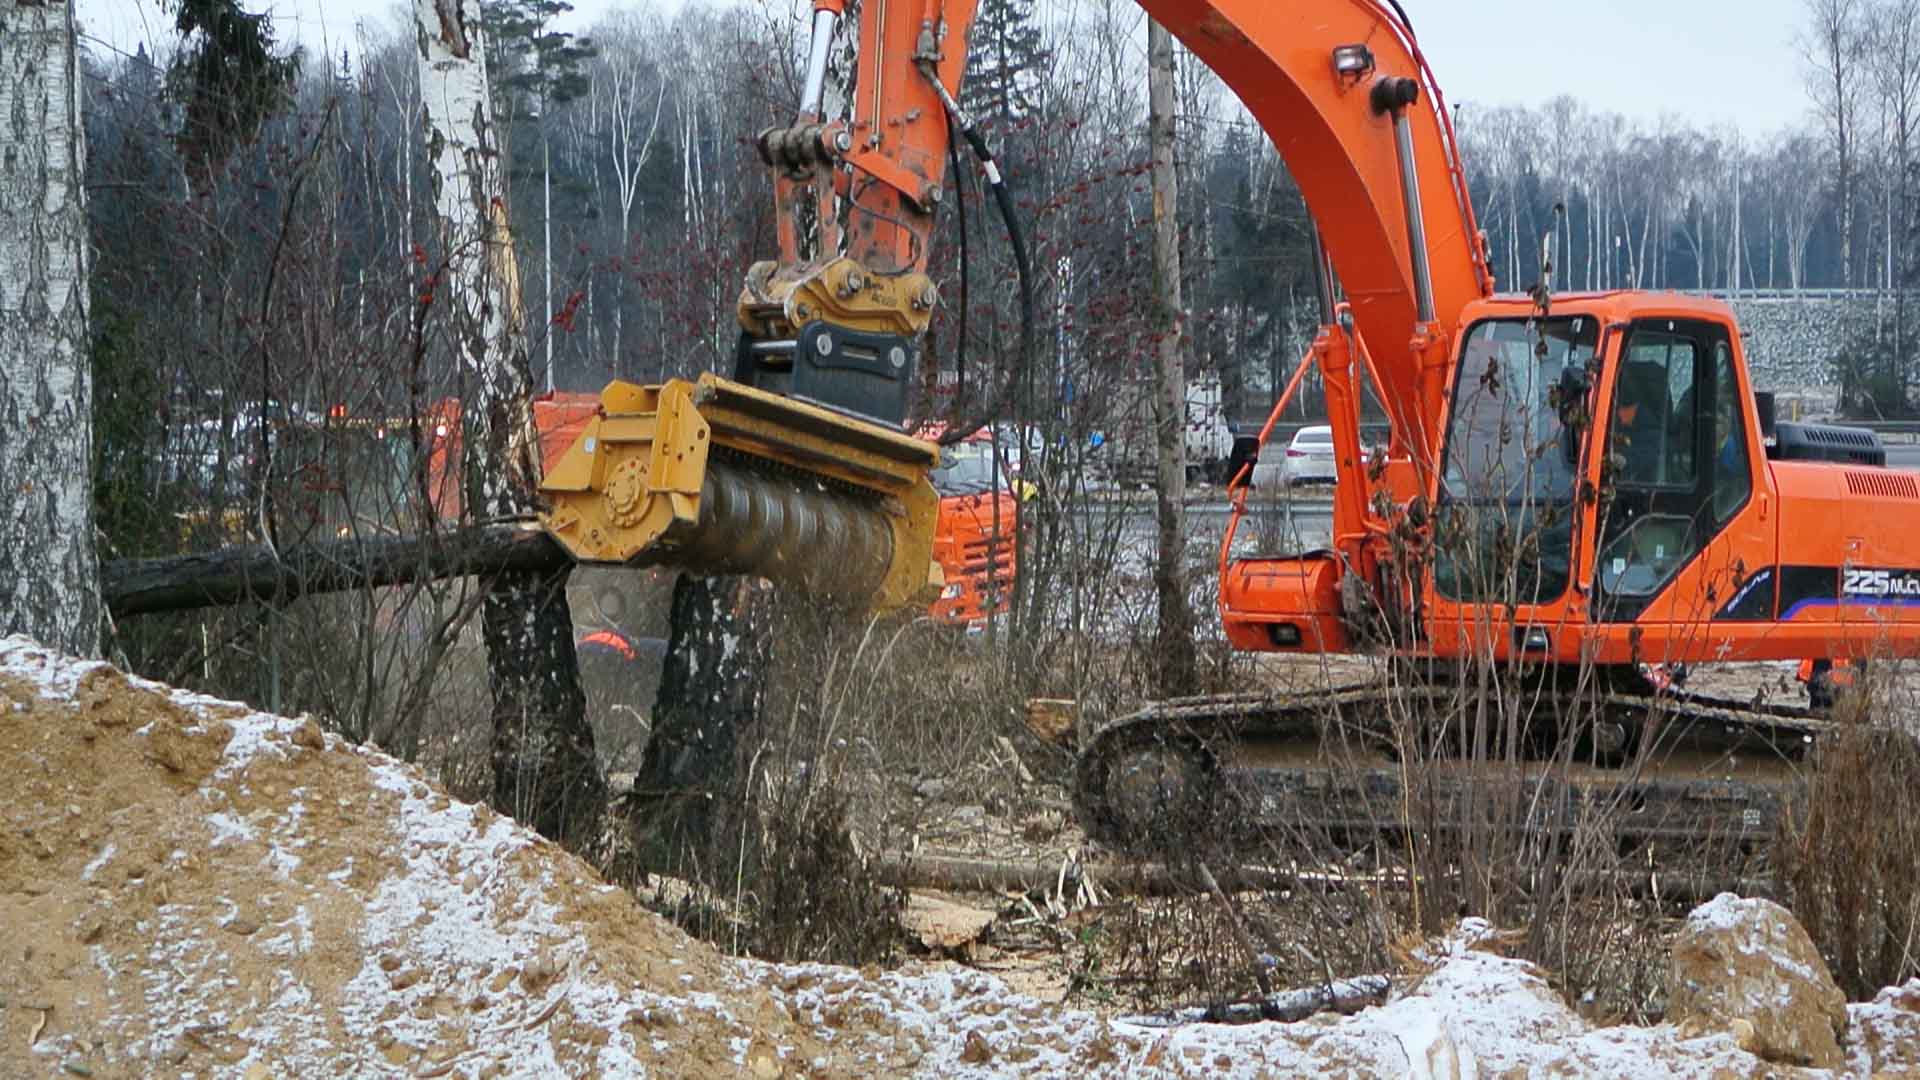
x=1790 y=341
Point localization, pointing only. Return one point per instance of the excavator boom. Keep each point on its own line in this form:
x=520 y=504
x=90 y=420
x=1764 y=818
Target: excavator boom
x=1342 y=90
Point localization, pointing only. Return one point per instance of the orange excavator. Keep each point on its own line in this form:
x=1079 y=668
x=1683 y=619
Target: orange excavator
x=1584 y=488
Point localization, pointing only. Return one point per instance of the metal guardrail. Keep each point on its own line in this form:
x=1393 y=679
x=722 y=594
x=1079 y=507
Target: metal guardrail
x=1285 y=430
x=1797 y=294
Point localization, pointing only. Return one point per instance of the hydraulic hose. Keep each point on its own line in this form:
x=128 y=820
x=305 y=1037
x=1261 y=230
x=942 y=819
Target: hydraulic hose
x=1003 y=200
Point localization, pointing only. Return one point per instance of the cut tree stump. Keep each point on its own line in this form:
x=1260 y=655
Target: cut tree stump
x=713 y=684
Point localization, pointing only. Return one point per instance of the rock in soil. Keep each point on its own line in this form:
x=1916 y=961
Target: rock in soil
x=1749 y=968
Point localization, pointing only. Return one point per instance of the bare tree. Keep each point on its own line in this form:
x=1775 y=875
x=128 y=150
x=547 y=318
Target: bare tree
x=49 y=574
x=1894 y=65
x=1174 y=647
x=1800 y=203
x=545 y=772
x=619 y=98
x=1831 y=46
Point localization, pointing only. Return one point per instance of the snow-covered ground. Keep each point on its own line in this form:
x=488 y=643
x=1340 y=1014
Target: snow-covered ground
x=192 y=888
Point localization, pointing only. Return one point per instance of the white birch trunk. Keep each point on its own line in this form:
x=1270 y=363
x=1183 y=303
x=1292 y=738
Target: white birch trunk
x=1174 y=652
x=49 y=573
x=480 y=282
x=545 y=771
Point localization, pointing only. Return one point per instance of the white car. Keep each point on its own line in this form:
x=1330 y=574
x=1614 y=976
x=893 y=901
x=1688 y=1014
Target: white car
x=1308 y=459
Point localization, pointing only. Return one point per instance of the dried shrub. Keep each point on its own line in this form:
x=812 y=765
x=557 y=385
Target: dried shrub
x=1849 y=858
x=758 y=841
x=815 y=895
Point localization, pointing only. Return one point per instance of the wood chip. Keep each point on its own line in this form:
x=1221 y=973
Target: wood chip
x=1019 y=767
x=943 y=924
x=441 y=1069
x=39 y=1025
x=1052 y=719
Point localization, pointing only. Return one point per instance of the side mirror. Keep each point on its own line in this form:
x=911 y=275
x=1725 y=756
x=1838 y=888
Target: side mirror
x=1245 y=455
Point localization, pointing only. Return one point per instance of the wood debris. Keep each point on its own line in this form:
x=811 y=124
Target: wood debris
x=944 y=925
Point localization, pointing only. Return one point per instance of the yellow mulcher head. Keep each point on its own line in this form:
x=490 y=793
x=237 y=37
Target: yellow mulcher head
x=719 y=477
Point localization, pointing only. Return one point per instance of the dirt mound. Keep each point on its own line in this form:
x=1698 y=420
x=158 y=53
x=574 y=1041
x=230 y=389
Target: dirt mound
x=188 y=887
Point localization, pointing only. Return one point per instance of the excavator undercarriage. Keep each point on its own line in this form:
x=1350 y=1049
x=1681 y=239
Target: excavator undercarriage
x=1675 y=773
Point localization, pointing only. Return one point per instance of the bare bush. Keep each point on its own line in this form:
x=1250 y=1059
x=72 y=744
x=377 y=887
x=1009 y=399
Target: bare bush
x=1850 y=857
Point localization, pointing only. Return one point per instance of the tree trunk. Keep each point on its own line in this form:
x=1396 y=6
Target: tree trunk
x=712 y=686
x=1175 y=661
x=49 y=574
x=262 y=574
x=545 y=772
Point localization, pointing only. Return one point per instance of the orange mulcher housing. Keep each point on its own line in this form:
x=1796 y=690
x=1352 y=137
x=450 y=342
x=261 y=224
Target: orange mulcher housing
x=973 y=539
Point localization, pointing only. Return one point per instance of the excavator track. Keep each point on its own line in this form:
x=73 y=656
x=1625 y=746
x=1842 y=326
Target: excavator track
x=1669 y=770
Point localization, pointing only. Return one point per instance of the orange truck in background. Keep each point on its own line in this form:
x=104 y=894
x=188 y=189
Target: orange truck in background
x=973 y=541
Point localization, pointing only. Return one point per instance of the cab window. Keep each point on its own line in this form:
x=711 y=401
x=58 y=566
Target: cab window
x=1732 y=470
x=1654 y=426
x=1677 y=466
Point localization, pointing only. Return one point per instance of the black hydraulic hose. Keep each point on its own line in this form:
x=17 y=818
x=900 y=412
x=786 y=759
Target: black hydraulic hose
x=960 y=208
x=1003 y=199
x=1402 y=12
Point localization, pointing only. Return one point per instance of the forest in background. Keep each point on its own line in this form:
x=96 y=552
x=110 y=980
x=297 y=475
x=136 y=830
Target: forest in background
x=290 y=269
x=286 y=276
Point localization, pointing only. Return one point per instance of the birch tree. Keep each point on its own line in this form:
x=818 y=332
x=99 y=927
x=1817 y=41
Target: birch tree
x=1835 y=78
x=49 y=573
x=1894 y=65
x=621 y=75
x=1174 y=649
x=545 y=773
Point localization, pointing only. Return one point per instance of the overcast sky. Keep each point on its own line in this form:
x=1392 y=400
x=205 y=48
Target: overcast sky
x=1706 y=61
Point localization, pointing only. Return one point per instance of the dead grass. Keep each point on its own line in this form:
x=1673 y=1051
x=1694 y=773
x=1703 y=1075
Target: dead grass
x=1850 y=857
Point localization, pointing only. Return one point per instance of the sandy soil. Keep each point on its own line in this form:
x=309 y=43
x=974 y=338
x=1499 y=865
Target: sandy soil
x=190 y=888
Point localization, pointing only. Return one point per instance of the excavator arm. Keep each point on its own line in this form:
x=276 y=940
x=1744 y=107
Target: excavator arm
x=837 y=318
x=1339 y=86
x=831 y=328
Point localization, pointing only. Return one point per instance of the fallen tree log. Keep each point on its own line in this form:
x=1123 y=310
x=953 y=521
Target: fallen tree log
x=969 y=873
x=963 y=873
x=1344 y=996
x=263 y=574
